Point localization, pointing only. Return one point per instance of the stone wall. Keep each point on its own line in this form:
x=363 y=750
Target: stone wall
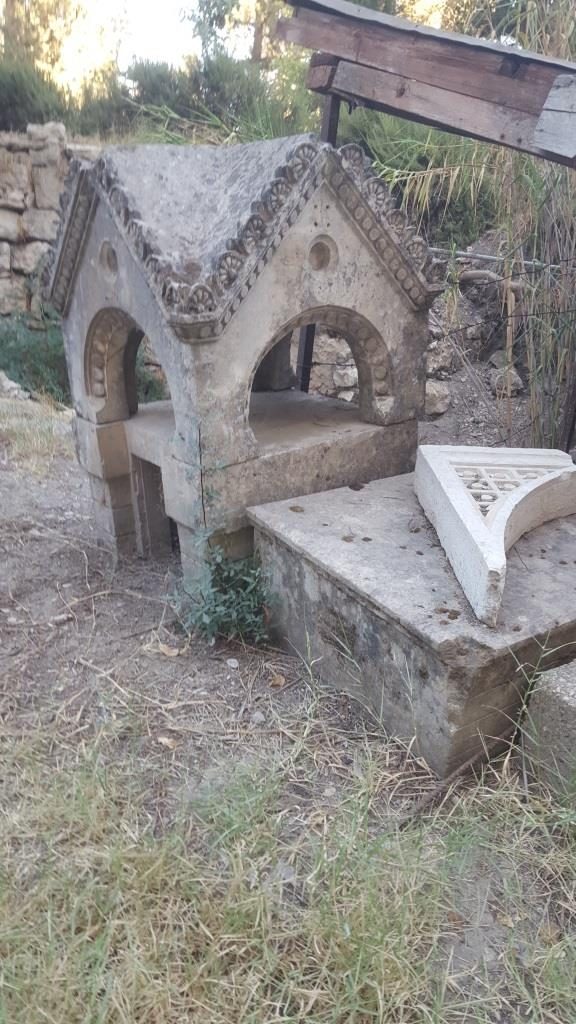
x=33 y=168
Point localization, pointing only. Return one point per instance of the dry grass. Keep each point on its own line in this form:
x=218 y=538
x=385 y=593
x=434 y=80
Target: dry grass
x=277 y=886
x=34 y=432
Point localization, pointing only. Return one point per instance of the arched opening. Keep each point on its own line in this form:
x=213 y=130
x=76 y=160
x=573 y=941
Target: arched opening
x=350 y=376
x=151 y=380
x=121 y=366
x=125 y=381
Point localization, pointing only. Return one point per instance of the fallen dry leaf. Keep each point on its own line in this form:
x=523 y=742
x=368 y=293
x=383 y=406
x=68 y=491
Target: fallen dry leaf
x=169 y=652
x=455 y=919
x=168 y=741
x=277 y=681
x=506 y=920
x=550 y=933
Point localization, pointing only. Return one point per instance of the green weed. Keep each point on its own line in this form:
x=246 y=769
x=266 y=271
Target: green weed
x=229 y=600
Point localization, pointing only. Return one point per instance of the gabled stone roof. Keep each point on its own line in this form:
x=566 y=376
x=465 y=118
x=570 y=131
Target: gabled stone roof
x=205 y=220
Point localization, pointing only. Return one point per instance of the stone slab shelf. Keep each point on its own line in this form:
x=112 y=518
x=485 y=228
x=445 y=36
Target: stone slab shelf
x=367 y=595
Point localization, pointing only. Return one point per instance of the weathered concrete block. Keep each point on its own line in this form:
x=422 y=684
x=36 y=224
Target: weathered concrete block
x=47 y=187
x=357 y=453
x=102 y=449
x=115 y=493
x=43 y=134
x=26 y=258
x=549 y=729
x=120 y=546
x=266 y=239
x=152 y=524
x=366 y=593
x=14 y=295
x=41 y=225
x=182 y=492
x=15 y=185
x=4 y=259
x=118 y=522
x=11 y=229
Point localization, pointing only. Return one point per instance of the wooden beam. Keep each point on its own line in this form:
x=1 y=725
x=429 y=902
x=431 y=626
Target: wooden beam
x=370 y=19
x=439 y=108
x=457 y=83
x=556 y=128
x=497 y=77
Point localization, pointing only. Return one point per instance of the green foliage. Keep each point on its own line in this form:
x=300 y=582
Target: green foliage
x=547 y=26
x=215 y=20
x=230 y=600
x=149 y=387
x=232 y=91
x=34 y=32
x=102 y=108
x=27 y=96
x=158 y=84
x=441 y=179
x=32 y=354
x=209 y=19
x=222 y=100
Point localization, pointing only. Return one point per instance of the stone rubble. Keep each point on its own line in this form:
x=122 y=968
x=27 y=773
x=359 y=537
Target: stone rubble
x=501 y=379
x=10 y=389
x=33 y=168
x=438 y=399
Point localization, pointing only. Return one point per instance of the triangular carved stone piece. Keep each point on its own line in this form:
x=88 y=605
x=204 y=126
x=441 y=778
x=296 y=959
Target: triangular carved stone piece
x=481 y=500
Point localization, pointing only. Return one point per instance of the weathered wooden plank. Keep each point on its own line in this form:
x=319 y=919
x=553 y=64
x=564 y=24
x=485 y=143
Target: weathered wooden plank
x=370 y=19
x=562 y=95
x=556 y=128
x=404 y=97
x=502 y=76
x=320 y=77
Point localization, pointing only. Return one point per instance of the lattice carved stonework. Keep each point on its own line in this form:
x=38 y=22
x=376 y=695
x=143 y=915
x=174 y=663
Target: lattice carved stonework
x=482 y=500
x=486 y=485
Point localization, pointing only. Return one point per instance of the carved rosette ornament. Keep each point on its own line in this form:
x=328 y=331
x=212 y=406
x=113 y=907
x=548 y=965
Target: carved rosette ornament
x=228 y=267
x=200 y=303
x=381 y=201
x=379 y=196
x=354 y=161
x=201 y=300
x=275 y=196
x=300 y=160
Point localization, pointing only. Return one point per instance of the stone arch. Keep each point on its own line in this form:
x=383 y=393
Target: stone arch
x=110 y=352
x=368 y=348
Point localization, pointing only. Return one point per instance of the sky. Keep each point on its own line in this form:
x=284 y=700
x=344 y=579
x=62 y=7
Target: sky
x=147 y=29
x=156 y=31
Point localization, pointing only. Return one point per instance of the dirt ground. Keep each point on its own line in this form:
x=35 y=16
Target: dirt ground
x=80 y=632
x=476 y=416
x=477 y=914
x=69 y=618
